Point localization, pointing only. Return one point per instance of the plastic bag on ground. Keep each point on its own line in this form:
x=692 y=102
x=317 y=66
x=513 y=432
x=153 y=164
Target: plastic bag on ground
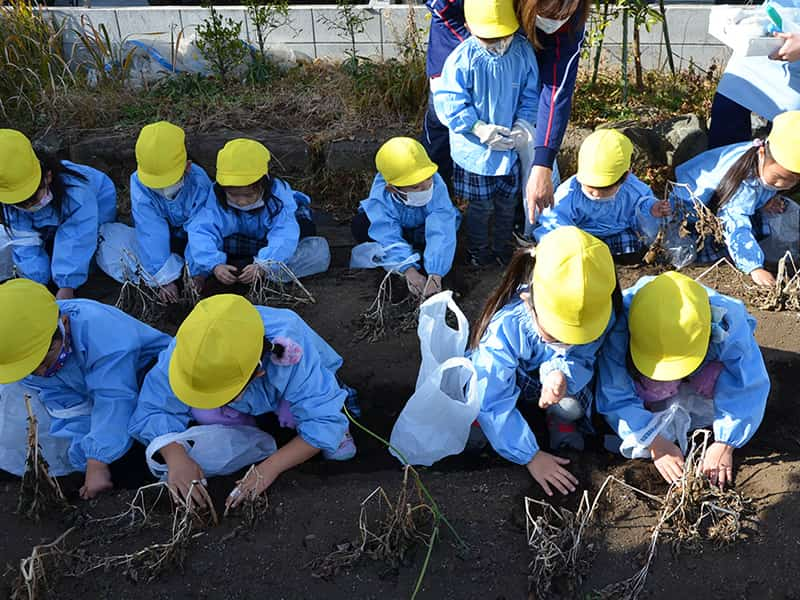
x=8 y=240
x=14 y=433
x=217 y=449
x=437 y=340
x=117 y=255
x=784 y=233
x=371 y=255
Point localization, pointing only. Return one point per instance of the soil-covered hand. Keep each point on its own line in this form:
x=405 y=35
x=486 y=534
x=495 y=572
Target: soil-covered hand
x=548 y=471
x=668 y=459
x=249 y=274
x=182 y=472
x=762 y=277
x=226 y=274
x=718 y=464
x=790 y=51
x=432 y=286
x=539 y=191
x=97 y=481
x=254 y=483
x=661 y=208
x=65 y=294
x=169 y=293
x=199 y=283
x=415 y=281
x=554 y=389
x=775 y=205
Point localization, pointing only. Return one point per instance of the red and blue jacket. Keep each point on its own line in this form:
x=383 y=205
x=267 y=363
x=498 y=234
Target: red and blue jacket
x=558 y=66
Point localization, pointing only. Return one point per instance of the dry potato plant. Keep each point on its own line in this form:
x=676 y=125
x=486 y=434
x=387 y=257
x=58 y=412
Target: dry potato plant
x=389 y=535
x=384 y=316
x=31 y=583
x=253 y=507
x=276 y=285
x=39 y=492
x=144 y=301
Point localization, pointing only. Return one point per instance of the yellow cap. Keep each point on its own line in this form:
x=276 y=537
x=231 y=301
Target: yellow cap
x=783 y=138
x=20 y=170
x=161 y=154
x=491 y=18
x=403 y=161
x=217 y=349
x=573 y=280
x=670 y=325
x=28 y=320
x=242 y=162
x=603 y=158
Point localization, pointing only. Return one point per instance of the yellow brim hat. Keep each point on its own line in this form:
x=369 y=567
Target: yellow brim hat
x=20 y=170
x=603 y=158
x=783 y=140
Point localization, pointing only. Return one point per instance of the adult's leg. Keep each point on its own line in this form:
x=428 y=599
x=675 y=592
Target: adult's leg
x=730 y=122
x=436 y=141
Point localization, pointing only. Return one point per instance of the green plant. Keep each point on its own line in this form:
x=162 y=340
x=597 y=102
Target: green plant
x=218 y=39
x=350 y=20
x=266 y=17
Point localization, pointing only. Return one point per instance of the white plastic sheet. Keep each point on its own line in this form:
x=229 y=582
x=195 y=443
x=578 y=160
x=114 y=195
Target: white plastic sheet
x=371 y=255
x=784 y=233
x=118 y=257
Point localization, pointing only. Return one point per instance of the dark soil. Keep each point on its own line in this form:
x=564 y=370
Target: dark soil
x=315 y=508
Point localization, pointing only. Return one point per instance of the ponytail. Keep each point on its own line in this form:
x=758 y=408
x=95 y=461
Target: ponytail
x=746 y=167
x=518 y=273
x=277 y=350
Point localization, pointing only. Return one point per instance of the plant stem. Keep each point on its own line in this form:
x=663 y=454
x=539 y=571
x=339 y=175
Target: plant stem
x=427 y=560
x=637 y=55
x=599 y=51
x=625 y=55
x=667 y=41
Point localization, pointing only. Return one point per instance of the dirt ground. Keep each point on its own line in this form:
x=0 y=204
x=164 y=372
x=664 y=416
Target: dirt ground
x=315 y=508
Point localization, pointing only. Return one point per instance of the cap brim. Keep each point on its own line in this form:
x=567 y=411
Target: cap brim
x=160 y=181
x=198 y=399
x=662 y=369
x=26 y=191
x=417 y=176
x=22 y=368
x=490 y=32
x=597 y=180
x=588 y=331
x=226 y=180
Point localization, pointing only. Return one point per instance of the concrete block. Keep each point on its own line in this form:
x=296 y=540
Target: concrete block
x=325 y=33
x=394 y=22
x=133 y=21
x=82 y=18
x=299 y=31
x=337 y=51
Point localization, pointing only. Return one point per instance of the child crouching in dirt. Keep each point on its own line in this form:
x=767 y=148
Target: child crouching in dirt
x=409 y=207
x=86 y=360
x=536 y=341
x=252 y=221
x=604 y=198
x=167 y=191
x=231 y=360
x=739 y=183
x=688 y=350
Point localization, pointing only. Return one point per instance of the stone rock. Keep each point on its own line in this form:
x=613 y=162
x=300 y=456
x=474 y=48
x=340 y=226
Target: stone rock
x=568 y=153
x=356 y=152
x=51 y=144
x=685 y=137
x=649 y=148
x=106 y=152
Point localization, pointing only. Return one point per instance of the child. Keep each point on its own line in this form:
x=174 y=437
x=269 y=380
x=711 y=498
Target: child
x=740 y=181
x=167 y=190
x=488 y=94
x=251 y=220
x=409 y=206
x=682 y=333
x=250 y=360
x=52 y=210
x=536 y=341
x=604 y=198
x=86 y=360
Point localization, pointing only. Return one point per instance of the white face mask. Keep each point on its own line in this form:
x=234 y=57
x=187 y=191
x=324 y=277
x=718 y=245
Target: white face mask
x=610 y=198
x=549 y=25
x=416 y=199
x=171 y=191
x=497 y=47
x=254 y=206
x=771 y=188
x=46 y=199
x=559 y=347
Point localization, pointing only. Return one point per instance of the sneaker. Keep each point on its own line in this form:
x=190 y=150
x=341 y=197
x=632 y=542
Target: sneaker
x=345 y=451
x=564 y=434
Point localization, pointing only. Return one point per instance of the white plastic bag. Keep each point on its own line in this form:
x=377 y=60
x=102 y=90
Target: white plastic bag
x=784 y=233
x=686 y=411
x=437 y=340
x=371 y=255
x=526 y=148
x=14 y=433
x=118 y=257
x=9 y=239
x=436 y=420
x=217 y=449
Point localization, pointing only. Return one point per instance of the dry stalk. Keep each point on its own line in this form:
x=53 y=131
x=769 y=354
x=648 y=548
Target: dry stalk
x=785 y=294
x=254 y=506
x=31 y=583
x=140 y=295
x=39 y=492
x=276 y=285
x=384 y=316
x=657 y=253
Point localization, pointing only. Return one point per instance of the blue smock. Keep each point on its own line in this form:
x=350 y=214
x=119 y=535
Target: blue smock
x=741 y=391
x=630 y=209
x=85 y=206
x=511 y=343
x=310 y=387
x=158 y=220
x=703 y=174
x=389 y=216
x=91 y=398
x=213 y=223
x=478 y=86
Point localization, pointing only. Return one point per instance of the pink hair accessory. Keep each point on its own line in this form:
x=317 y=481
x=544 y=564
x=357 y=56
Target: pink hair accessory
x=292 y=352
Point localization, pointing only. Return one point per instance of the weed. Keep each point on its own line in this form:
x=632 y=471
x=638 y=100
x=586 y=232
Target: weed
x=108 y=62
x=266 y=17
x=218 y=39
x=384 y=315
x=350 y=21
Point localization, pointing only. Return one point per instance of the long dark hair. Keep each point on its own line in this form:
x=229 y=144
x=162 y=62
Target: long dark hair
x=519 y=273
x=527 y=11
x=746 y=167
x=272 y=204
x=57 y=185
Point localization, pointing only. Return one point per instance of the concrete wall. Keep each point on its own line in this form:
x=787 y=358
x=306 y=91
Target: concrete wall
x=688 y=27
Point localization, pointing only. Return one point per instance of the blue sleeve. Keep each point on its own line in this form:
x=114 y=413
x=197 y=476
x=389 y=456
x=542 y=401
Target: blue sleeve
x=496 y=360
x=76 y=237
x=440 y=233
x=158 y=410
x=452 y=94
x=740 y=395
x=152 y=229
x=529 y=99
x=560 y=215
x=577 y=364
x=447 y=30
x=32 y=261
x=386 y=229
x=558 y=68
x=206 y=232
x=738 y=230
x=283 y=234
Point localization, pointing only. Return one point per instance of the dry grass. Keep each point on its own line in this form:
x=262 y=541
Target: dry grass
x=384 y=316
x=32 y=582
x=276 y=285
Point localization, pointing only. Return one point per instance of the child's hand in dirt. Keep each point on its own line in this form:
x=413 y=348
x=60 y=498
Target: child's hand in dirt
x=169 y=293
x=554 y=389
x=775 y=206
x=432 y=286
x=718 y=464
x=199 y=283
x=182 y=471
x=668 y=459
x=253 y=485
x=547 y=470
x=98 y=479
x=661 y=208
x=226 y=274
x=249 y=274
x=762 y=277
x=415 y=281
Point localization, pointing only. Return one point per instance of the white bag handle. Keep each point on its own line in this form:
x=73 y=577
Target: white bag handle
x=437 y=306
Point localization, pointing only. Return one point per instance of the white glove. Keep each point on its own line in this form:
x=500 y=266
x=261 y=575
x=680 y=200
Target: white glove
x=494 y=136
x=520 y=134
